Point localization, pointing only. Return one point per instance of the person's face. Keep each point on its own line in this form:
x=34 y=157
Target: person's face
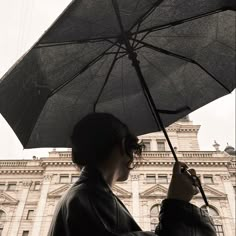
x=125 y=162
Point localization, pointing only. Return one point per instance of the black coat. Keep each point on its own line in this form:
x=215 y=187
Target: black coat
x=90 y=208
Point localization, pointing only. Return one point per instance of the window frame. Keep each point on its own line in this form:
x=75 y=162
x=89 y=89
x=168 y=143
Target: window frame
x=149 y=145
x=11 y=184
x=30 y=214
x=161 y=142
x=219 y=233
x=154 y=218
x=151 y=180
x=3 y=217
x=205 y=177
x=64 y=175
x=74 y=176
x=4 y=186
x=37 y=186
x=162 y=182
x=25 y=231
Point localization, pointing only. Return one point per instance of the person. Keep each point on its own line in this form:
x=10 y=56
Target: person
x=105 y=149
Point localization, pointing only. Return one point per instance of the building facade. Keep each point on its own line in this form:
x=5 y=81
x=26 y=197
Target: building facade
x=31 y=189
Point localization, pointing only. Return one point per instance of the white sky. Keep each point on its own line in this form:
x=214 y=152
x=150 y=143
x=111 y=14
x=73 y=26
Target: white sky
x=22 y=22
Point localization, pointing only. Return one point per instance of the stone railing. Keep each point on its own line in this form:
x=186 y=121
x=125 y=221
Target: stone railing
x=199 y=154
x=181 y=154
x=13 y=163
x=156 y=154
x=65 y=154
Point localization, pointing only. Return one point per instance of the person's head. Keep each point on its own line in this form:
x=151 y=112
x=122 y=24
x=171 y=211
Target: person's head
x=97 y=136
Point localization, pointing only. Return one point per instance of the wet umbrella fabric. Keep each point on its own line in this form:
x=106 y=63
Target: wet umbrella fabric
x=185 y=51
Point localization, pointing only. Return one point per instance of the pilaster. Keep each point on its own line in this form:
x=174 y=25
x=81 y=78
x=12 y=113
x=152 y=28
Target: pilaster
x=135 y=196
x=41 y=205
x=229 y=190
x=20 y=208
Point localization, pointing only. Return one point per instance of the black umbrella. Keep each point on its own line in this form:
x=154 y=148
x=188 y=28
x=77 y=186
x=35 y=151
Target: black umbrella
x=149 y=62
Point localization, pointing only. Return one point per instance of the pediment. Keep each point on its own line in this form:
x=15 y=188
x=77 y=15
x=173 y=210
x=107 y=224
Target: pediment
x=7 y=199
x=120 y=192
x=211 y=192
x=155 y=191
x=59 y=191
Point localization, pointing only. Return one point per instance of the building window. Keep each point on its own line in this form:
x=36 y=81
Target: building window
x=162 y=179
x=64 y=179
x=147 y=145
x=208 y=179
x=30 y=214
x=161 y=146
x=2 y=215
x=37 y=186
x=2 y=186
x=219 y=230
x=74 y=178
x=154 y=214
x=11 y=187
x=150 y=179
x=214 y=214
x=25 y=233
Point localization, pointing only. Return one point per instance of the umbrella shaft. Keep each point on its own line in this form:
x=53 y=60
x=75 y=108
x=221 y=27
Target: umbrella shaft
x=147 y=94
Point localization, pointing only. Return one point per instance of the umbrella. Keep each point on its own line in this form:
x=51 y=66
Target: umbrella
x=148 y=62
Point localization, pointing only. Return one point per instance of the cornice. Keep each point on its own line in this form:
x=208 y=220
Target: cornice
x=196 y=158
x=57 y=162
x=171 y=163
x=23 y=171
x=183 y=128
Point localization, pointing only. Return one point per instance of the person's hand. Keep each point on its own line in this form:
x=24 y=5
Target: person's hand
x=182 y=185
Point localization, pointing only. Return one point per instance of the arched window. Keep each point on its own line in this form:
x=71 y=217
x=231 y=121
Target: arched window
x=214 y=214
x=212 y=211
x=2 y=215
x=154 y=214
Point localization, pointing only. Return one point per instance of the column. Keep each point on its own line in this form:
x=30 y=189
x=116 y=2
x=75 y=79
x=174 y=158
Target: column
x=20 y=208
x=135 y=197
x=230 y=223
x=229 y=190
x=39 y=217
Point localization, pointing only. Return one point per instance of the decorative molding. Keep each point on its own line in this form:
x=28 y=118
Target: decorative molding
x=57 y=162
x=35 y=203
x=23 y=171
x=225 y=177
x=120 y=192
x=6 y=199
x=27 y=183
x=47 y=177
x=211 y=193
x=57 y=193
x=134 y=177
x=155 y=191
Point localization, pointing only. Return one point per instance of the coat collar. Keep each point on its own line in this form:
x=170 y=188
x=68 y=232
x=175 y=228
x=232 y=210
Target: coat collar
x=93 y=177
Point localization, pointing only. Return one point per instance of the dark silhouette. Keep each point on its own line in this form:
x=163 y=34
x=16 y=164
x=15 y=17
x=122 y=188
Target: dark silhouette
x=105 y=149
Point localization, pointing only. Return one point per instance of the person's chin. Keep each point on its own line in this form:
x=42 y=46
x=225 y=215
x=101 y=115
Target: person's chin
x=124 y=177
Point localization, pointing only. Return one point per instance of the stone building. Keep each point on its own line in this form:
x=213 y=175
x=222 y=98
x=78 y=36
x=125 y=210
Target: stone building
x=30 y=189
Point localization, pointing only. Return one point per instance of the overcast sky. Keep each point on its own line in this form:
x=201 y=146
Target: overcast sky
x=22 y=22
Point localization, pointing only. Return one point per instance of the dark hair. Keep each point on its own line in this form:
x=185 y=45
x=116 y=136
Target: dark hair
x=95 y=135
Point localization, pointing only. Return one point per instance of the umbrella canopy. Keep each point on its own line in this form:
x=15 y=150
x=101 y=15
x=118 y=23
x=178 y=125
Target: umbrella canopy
x=93 y=56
